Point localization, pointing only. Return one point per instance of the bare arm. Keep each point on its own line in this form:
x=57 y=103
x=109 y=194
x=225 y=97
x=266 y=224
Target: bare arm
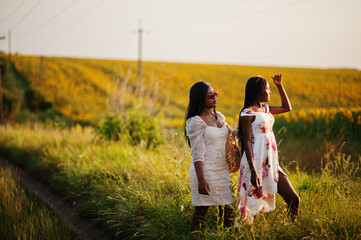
x=203 y=187
x=247 y=140
x=286 y=105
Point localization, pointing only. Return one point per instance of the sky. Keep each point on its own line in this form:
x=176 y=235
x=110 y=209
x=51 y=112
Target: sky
x=285 y=33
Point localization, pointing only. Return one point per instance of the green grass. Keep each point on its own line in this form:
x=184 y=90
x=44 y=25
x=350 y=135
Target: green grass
x=145 y=194
x=25 y=216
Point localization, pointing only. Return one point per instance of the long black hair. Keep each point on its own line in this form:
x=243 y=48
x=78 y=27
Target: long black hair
x=197 y=99
x=254 y=88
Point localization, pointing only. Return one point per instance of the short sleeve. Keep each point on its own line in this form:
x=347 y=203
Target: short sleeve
x=246 y=112
x=266 y=107
x=195 y=128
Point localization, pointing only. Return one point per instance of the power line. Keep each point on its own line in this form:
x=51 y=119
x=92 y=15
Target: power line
x=175 y=9
x=205 y=12
x=107 y=40
x=22 y=3
x=266 y=10
x=47 y=21
x=73 y=24
x=22 y=19
x=113 y=38
x=233 y=18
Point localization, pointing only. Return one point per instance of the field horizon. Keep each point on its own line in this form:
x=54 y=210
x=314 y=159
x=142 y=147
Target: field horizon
x=110 y=86
x=185 y=62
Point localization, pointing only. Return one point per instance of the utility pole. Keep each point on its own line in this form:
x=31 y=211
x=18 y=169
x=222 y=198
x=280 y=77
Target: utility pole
x=1 y=96
x=139 y=86
x=9 y=46
x=41 y=72
x=2 y=69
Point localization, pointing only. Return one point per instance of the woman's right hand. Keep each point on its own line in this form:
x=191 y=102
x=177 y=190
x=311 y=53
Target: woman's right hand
x=203 y=187
x=255 y=179
x=277 y=79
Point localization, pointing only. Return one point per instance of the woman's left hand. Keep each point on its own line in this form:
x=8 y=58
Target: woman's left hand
x=277 y=79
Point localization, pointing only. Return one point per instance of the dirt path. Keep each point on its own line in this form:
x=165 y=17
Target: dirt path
x=84 y=228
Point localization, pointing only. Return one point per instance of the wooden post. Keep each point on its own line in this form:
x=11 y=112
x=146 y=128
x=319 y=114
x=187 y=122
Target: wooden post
x=139 y=85
x=1 y=98
x=9 y=47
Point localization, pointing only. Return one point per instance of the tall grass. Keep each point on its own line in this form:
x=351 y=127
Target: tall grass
x=139 y=193
x=322 y=123
x=306 y=136
x=24 y=216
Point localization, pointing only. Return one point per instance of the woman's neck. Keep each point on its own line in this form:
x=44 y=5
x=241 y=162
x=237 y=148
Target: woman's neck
x=207 y=111
x=257 y=104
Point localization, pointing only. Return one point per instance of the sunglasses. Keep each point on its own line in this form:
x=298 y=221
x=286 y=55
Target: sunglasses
x=212 y=95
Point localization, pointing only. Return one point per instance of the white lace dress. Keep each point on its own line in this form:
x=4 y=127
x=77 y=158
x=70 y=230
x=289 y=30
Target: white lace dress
x=208 y=146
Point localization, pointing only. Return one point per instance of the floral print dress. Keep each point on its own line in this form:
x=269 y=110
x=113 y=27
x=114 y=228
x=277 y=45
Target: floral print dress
x=265 y=159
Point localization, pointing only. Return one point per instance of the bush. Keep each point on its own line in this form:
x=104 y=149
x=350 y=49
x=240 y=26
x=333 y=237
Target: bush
x=141 y=126
x=136 y=127
x=111 y=128
x=35 y=101
x=11 y=105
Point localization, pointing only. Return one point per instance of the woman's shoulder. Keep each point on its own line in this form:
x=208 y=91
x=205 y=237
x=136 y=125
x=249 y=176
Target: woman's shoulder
x=247 y=112
x=195 y=125
x=221 y=115
x=194 y=121
x=265 y=105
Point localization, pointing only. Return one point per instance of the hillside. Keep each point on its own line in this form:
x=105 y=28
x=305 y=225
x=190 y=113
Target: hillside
x=86 y=89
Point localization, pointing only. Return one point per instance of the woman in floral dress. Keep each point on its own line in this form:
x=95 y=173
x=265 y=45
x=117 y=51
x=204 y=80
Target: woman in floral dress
x=260 y=176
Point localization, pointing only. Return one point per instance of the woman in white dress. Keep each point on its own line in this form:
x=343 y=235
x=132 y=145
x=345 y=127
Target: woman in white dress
x=207 y=131
x=260 y=176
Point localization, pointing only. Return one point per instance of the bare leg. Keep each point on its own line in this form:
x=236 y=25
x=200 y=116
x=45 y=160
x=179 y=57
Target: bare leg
x=288 y=193
x=225 y=215
x=199 y=216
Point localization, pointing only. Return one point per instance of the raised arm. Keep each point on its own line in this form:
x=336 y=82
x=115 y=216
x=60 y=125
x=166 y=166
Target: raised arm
x=247 y=141
x=286 y=105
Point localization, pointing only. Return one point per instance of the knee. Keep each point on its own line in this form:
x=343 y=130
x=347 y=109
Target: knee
x=295 y=200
